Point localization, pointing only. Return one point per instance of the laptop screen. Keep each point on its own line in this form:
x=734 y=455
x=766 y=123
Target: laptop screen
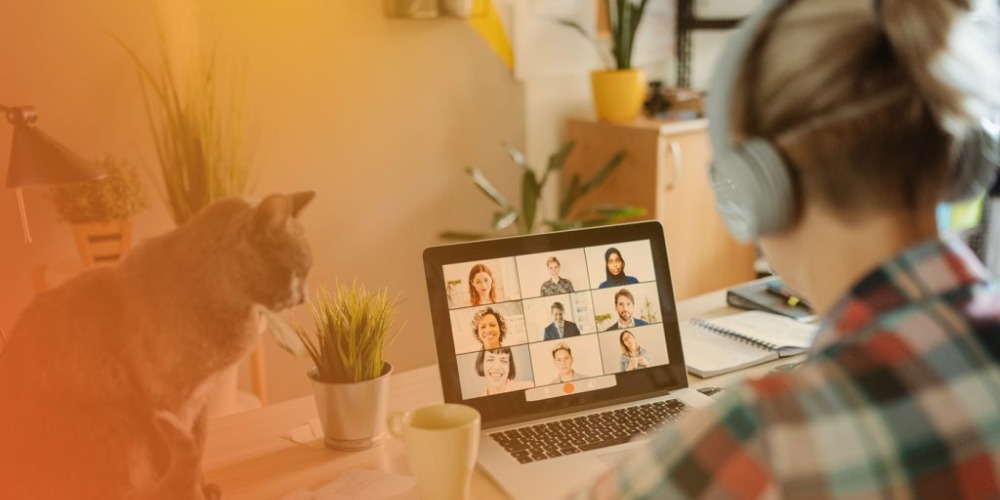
x=544 y=324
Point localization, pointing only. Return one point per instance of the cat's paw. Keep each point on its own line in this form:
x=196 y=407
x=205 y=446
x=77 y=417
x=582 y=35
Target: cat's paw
x=211 y=491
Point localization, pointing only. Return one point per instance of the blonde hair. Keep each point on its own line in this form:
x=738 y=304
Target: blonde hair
x=856 y=100
x=562 y=346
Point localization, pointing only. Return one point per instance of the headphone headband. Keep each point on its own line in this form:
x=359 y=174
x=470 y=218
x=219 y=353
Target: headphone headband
x=727 y=67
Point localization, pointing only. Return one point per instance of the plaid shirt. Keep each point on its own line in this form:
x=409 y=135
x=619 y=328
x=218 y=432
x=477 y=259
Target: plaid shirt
x=900 y=398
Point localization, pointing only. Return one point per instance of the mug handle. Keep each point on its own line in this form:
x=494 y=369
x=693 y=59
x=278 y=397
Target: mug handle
x=394 y=423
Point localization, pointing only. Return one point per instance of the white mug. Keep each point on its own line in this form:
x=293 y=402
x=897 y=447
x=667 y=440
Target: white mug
x=442 y=442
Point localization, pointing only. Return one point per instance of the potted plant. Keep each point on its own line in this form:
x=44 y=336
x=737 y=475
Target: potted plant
x=353 y=330
x=100 y=211
x=196 y=114
x=523 y=217
x=619 y=89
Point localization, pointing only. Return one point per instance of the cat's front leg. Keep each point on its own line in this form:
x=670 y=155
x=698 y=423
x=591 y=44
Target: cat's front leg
x=211 y=491
x=183 y=479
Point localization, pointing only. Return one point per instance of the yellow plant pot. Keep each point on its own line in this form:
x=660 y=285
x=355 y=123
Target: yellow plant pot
x=618 y=94
x=102 y=242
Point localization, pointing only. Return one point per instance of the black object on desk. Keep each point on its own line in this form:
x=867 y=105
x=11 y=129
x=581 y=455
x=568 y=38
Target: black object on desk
x=773 y=296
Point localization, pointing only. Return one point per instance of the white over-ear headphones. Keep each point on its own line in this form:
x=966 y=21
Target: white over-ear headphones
x=752 y=184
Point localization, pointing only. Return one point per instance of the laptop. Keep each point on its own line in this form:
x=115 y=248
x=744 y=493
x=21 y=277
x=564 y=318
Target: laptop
x=568 y=345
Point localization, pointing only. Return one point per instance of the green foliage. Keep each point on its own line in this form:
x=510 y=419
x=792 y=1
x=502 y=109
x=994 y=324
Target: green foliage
x=116 y=196
x=353 y=331
x=532 y=187
x=197 y=127
x=602 y=318
x=624 y=16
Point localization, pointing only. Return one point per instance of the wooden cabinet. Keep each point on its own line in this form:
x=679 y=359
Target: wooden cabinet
x=665 y=170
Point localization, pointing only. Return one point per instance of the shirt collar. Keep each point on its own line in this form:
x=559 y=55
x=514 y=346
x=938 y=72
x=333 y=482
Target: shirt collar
x=923 y=271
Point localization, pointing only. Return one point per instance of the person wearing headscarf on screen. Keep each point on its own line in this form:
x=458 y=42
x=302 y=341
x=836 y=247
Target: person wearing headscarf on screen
x=614 y=270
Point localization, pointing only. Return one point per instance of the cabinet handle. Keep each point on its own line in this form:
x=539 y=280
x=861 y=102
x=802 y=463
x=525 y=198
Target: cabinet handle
x=675 y=153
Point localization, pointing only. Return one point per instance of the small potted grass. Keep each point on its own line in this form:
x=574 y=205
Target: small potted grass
x=353 y=329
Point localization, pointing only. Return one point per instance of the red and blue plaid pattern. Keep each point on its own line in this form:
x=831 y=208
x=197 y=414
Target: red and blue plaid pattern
x=900 y=398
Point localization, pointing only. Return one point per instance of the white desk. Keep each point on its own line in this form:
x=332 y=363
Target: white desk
x=246 y=455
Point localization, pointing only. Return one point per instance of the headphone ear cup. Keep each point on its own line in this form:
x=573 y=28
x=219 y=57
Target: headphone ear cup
x=976 y=167
x=753 y=190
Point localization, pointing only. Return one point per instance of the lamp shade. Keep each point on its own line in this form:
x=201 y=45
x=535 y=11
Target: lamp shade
x=36 y=158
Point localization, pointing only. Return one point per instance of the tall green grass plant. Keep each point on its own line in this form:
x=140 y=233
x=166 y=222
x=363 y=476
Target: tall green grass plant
x=353 y=329
x=198 y=125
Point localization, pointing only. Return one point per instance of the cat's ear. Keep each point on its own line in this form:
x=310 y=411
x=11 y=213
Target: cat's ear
x=271 y=214
x=300 y=200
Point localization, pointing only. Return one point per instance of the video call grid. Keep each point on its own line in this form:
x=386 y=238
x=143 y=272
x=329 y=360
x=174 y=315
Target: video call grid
x=530 y=341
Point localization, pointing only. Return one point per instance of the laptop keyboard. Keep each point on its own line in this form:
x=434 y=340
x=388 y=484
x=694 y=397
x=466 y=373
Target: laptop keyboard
x=572 y=435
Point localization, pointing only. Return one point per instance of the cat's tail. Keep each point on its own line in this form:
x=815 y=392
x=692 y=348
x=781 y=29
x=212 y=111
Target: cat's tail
x=182 y=479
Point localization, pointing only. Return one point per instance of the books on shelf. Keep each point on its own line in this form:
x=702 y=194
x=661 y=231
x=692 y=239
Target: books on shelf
x=728 y=343
x=770 y=295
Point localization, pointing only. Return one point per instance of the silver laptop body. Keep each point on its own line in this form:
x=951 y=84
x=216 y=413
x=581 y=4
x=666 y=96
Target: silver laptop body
x=557 y=327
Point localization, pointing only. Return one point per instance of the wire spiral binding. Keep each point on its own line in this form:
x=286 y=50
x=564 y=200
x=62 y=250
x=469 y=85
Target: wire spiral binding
x=739 y=337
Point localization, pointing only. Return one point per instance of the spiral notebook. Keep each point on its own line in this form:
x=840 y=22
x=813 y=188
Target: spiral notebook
x=728 y=343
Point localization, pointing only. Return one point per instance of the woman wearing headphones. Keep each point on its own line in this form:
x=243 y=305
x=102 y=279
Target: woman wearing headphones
x=838 y=126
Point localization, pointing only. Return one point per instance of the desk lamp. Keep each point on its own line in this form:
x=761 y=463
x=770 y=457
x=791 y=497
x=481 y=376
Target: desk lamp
x=36 y=158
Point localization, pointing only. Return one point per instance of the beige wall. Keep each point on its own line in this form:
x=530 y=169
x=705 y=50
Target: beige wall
x=378 y=116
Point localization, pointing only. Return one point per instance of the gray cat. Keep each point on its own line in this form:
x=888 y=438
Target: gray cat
x=103 y=382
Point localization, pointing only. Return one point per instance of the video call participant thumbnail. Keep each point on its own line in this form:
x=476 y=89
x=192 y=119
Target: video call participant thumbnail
x=555 y=285
x=633 y=355
x=624 y=303
x=614 y=269
x=482 y=285
x=562 y=358
x=489 y=327
x=560 y=327
x=498 y=368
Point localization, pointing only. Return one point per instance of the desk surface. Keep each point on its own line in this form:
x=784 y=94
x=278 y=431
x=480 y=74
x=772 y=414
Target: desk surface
x=246 y=455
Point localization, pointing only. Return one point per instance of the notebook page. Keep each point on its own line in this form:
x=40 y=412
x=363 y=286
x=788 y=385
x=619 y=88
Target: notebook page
x=707 y=353
x=780 y=331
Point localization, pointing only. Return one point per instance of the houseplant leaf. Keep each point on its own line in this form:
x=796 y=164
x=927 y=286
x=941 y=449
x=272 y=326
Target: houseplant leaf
x=516 y=156
x=529 y=199
x=503 y=220
x=487 y=187
x=570 y=197
x=602 y=173
x=557 y=160
x=603 y=52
